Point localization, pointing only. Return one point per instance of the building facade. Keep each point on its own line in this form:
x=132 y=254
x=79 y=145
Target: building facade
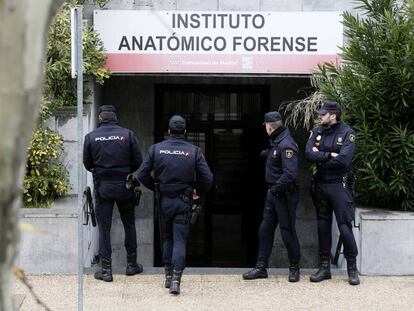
x=224 y=106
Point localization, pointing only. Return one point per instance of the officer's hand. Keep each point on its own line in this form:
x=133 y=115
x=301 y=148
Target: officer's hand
x=195 y=195
x=334 y=154
x=314 y=149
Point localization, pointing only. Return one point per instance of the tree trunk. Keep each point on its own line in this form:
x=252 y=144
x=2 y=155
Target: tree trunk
x=23 y=33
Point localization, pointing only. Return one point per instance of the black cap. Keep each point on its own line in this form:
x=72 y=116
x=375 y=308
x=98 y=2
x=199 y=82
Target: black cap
x=329 y=106
x=108 y=108
x=272 y=116
x=176 y=123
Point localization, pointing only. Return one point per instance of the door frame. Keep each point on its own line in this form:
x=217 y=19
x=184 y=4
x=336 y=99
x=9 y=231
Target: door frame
x=206 y=126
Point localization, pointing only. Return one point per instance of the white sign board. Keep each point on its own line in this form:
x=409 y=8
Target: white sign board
x=218 y=41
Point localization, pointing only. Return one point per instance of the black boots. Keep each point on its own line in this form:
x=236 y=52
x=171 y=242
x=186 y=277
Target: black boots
x=105 y=274
x=132 y=266
x=324 y=272
x=294 y=273
x=258 y=272
x=352 y=271
x=168 y=276
x=175 y=282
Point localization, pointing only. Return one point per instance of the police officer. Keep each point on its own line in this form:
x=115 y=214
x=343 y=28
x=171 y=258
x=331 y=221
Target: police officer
x=175 y=163
x=282 y=166
x=331 y=146
x=111 y=153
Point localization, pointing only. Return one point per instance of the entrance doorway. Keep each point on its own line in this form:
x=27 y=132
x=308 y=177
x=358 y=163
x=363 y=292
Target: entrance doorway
x=225 y=121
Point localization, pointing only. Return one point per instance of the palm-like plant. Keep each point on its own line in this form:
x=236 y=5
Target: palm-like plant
x=375 y=85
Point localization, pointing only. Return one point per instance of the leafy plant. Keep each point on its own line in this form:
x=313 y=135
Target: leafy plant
x=59 y=88
x=46 y=177
x=301 y=112
x=375 y=86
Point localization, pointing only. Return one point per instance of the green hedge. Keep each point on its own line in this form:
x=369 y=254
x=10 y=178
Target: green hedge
x=375 y=85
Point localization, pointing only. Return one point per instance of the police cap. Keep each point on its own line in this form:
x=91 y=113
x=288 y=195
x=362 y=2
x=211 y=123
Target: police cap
x=272 y=116
x=177 y=123
x=107 y=108
x=329 y=106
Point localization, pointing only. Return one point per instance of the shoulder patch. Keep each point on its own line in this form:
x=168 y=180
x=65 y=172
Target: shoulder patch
x=351 y=138
x=289 y=153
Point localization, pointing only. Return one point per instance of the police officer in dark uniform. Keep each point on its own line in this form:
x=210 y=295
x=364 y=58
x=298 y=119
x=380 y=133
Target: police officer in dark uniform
x=331 y=146
x=282 y=166
x=175 y=163
x=111 y=153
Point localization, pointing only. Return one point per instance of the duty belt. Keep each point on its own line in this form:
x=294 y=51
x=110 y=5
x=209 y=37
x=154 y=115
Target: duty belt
x=336 y=180
x=112 y=176
x=294 y=187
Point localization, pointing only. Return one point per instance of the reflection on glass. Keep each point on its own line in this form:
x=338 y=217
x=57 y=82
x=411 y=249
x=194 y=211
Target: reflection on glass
x=219 y=106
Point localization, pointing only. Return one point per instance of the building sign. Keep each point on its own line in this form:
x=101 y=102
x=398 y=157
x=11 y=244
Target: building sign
x=218 y=42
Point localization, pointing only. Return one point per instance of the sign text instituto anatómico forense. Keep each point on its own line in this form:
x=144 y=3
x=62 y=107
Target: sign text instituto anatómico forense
x=218 y=42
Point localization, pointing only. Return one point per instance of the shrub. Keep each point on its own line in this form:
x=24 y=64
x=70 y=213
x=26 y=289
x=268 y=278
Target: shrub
x=375 y=85
x=46 y=177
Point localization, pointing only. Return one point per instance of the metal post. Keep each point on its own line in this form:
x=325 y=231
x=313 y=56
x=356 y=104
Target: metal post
x=79 y=71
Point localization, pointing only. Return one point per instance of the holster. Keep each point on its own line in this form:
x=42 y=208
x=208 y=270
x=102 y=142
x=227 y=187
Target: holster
x=133 y=184
x=195 y=211
x=137 y=196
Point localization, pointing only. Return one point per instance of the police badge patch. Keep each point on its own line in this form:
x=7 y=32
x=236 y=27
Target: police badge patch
x=351 y=138
x=289 y=153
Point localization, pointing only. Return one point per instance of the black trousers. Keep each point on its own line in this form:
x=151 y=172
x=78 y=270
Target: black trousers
x=329 y=198
x=175 y=230
x=104 y=209
x=280 y=211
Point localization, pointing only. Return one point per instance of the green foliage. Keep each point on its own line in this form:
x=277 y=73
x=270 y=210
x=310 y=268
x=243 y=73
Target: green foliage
x=60 y=88
x=301 y=112
x=376 y=87
x=46 y=177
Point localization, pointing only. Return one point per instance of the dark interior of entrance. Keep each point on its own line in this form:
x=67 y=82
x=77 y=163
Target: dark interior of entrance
x=225 y=121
